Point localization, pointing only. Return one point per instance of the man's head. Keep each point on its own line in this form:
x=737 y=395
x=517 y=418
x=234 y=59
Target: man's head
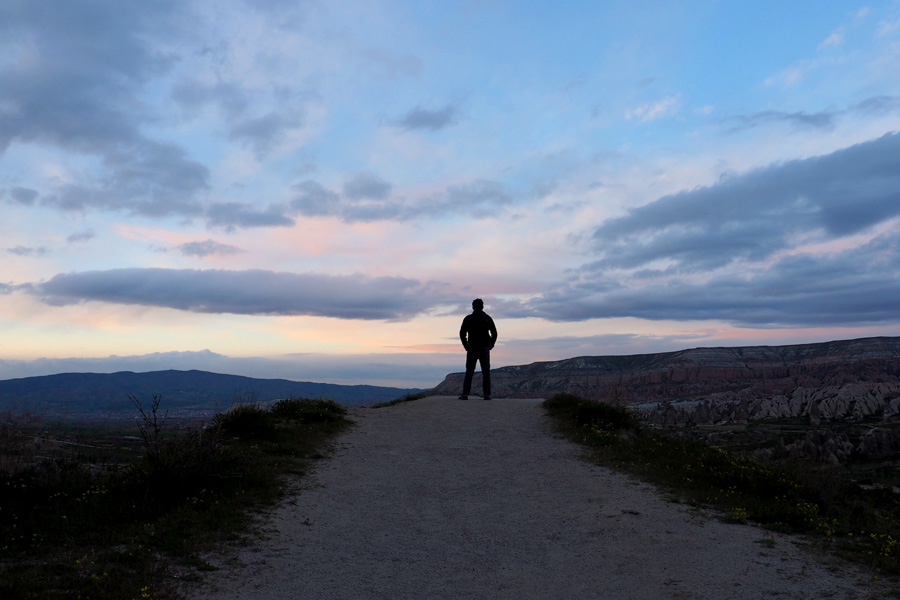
x=478 y=304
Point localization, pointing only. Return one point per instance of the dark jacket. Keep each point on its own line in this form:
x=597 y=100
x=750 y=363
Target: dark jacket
x=478 y=331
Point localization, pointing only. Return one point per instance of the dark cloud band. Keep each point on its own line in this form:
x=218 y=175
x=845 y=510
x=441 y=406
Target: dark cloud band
x=758 y=214
x=432 y=120
x=252 y=292
x=735 y=251
x=368 y=198
x=207 y=248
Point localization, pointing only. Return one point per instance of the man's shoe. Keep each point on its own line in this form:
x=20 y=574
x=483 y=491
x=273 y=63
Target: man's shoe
x=463 y=397
x=487 y=397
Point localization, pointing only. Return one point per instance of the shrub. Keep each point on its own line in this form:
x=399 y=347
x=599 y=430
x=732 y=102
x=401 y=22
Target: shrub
x=590 y=413
x=245 y=421
x=562 y=404
x=294 y=410
x=182 y=468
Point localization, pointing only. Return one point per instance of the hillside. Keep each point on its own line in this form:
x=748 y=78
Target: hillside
x=839 y=379
x=184 y=393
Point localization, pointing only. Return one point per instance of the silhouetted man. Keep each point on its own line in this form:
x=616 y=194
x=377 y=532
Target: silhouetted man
x=478 y=335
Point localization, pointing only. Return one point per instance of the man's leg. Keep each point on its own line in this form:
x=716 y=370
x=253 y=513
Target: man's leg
x=471 y=359
x=486 y=371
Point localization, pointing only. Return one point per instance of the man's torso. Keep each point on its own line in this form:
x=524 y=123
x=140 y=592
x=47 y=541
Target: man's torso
x=478 y=327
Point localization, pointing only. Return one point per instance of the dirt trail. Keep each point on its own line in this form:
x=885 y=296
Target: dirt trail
x=442 y=498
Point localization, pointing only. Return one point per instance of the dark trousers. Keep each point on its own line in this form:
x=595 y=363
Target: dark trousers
x=482 y=355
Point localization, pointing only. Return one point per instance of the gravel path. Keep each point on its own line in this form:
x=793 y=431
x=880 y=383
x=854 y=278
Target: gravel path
x=442 y=498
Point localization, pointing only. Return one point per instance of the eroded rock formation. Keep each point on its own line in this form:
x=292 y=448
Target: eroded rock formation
x=824 y=386
x=847 y=379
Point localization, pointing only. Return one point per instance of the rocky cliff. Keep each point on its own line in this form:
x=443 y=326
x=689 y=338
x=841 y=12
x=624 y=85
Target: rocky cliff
x=840 y=379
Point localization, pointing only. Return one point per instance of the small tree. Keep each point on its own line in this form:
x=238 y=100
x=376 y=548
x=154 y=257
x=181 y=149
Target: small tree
x=150 y=424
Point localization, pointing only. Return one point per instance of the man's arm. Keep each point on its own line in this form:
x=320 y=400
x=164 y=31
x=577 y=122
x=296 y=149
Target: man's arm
x=462 y=334
x=493 y=330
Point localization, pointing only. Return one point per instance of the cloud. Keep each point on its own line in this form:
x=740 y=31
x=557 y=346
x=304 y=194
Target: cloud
x=857 y=286
x=207 y=248
x=193 y=96
x=652 y=111
x=315 y=200
x=824 y=120
x=750 y=248
x=478 y=198
x=878 y=105
x=253 y=292
x=832 y=41
x=69 y=75
x=108 y=87
x=791 y=75
x=24 y=196
x=479 y=193
x=394 y=64
x=754 y=215
x=231 y=215
x=887 y=27
x=433 y=120
x=73 y=80
x=366 y=198
x=799 y=119
x=262 y=133
x=148 y=179
x=367 y=186
x=26 y=251
x=82 y=236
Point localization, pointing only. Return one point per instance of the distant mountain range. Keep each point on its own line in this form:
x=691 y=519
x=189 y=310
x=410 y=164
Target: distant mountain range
x=183 y=393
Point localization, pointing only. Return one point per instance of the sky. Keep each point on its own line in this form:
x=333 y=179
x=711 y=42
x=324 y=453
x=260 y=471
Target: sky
x=317 y=190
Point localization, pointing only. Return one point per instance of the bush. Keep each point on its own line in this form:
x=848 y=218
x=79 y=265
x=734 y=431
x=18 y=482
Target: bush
x=308 y=411
x=246 y=421
x=590 y=413
x=562 y=404
x=183 y=468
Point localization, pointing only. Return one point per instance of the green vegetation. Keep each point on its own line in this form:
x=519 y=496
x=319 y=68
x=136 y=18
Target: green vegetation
x=91 y=519
x=861 y=524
